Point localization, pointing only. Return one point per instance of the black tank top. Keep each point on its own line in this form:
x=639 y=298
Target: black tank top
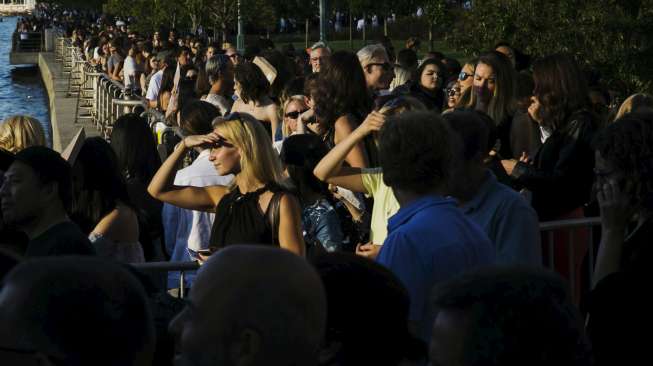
x=239 y=220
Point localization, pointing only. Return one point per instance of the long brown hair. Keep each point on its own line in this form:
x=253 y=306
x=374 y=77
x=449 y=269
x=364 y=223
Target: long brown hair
x=341 y=89
x=502 y=103
x=561 y=89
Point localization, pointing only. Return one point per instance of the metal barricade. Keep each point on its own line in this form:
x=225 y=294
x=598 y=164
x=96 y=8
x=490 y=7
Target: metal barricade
x=158 y=267
x=101 y=97
x=568 y=246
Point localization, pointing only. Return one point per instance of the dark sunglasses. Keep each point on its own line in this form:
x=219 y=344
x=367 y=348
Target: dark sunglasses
x=463 y=76
x=386 y=66
x=452 y=92
x=295 y=114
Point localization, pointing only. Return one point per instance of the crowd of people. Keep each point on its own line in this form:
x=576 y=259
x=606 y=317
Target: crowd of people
x=346 y=209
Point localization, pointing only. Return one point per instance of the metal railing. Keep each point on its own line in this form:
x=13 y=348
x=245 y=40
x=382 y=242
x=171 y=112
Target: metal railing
x=547 y=229
x=569 y=247
x=104 y=100
x=165 y=267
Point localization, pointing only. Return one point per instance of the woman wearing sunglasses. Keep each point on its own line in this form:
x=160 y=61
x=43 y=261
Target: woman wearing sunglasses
x=293 y=109
x=255 y=208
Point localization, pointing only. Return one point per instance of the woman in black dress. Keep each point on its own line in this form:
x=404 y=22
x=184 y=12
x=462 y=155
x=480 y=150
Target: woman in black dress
x=255 y=208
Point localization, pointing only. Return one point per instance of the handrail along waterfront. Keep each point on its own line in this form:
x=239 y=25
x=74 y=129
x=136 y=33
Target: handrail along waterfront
x=104 y=97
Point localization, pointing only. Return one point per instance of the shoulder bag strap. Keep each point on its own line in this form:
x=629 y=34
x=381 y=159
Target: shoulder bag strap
x=273 y=215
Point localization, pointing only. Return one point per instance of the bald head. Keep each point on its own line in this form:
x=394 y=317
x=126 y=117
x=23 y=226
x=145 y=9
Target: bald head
x=78 y=309
x=266 y=302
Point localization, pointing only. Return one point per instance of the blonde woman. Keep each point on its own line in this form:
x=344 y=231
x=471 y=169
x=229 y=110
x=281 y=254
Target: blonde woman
x=633 y=103
x=20 y=132
x=255 y=208
x=293 y=108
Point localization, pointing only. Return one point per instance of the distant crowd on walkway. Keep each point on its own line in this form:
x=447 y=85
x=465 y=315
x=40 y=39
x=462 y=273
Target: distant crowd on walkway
x=345 y=209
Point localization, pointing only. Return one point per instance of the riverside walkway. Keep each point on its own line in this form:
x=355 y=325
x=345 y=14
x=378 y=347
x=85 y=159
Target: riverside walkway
x=62 y=106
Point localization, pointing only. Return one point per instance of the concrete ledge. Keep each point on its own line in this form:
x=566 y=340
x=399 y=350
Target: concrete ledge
x=62 y=107
x=23 y=58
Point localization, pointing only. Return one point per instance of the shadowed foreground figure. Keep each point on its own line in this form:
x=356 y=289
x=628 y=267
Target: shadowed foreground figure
x=507 y=316
x=74 y=311
x=252 y=305
x=381 y=337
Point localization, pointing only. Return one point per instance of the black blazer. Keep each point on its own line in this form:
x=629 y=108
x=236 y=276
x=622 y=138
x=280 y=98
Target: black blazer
x=562 y=172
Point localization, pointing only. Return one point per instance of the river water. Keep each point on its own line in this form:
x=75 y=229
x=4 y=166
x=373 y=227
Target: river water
x=21 y=88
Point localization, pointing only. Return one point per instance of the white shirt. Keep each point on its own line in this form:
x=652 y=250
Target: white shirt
x=188 y=229
x=219 y=102
x=129 y=70
x=155 y=86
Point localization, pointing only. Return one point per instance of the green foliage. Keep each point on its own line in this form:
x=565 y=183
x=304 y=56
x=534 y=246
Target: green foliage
x=149 y=15
x=613 y=36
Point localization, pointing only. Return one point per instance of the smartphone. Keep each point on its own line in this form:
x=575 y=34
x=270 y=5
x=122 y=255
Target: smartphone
x=204 y=252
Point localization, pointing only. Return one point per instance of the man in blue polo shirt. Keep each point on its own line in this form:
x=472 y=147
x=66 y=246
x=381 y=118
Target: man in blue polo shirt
x=429 y=239
x=506 y=217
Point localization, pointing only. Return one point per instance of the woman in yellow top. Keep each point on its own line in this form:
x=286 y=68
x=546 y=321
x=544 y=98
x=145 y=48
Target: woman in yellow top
x=369 y=181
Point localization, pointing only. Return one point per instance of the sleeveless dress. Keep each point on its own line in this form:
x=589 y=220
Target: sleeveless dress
x=239 y=220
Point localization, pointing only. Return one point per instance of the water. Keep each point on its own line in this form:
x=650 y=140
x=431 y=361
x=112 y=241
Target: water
x=21 y=88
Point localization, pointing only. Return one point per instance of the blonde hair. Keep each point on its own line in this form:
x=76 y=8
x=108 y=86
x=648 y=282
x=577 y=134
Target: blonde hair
x=285 y=129
x=20 y=132
x=633 y=103
x=401 y=77
x=258 y=161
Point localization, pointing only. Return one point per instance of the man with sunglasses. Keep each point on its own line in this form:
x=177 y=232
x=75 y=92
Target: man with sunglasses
x=377 y=68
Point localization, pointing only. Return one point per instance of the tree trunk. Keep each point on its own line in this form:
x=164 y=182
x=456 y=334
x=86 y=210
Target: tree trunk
x=351 y=31
x=364 y=29
x=306 y=33
x=385 y=26
x=431 y=38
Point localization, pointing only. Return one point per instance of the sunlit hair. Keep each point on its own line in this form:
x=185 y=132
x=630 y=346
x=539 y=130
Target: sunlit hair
x=20 y=132
x=402 y=76
x=368 y=53
x=293 y=99
x=502 y=103
x=633 y=103
x=258 y=161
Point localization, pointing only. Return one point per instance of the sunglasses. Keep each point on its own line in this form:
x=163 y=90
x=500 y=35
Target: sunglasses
x=295 y=114
x=463 y=76
x=452 y=92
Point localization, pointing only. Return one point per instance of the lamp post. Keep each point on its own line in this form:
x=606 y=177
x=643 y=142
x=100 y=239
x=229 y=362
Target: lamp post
x=240 y=38
x=323 y=20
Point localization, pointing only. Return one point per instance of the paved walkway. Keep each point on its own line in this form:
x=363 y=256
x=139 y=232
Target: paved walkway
x=62 y=107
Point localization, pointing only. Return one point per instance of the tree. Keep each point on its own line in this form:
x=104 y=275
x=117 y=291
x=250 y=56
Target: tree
x=614 y=37
x=437 y=15
x=223 y=14
x=261 y=14
x=196 y=12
